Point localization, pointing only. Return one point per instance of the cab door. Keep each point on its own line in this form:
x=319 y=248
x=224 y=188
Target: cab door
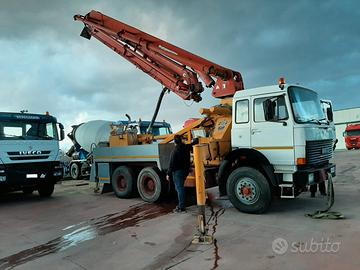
x=271 y=129
x=240 y=132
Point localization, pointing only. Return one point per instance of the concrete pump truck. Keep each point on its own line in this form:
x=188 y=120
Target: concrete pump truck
x=255 y=144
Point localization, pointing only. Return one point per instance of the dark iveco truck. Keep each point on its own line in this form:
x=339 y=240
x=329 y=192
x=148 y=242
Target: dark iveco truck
x=29 y=152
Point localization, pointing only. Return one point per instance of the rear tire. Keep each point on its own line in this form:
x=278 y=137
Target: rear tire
x=75 y=171
x=248 y=190
x=46 y=190
x=123 y=182
x=84 y=170
x=151 y=184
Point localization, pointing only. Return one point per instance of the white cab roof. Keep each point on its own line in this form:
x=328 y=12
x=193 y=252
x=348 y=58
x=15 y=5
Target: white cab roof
x=261 y=90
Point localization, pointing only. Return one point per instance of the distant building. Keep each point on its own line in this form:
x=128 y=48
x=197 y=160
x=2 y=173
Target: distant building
x=343 y=118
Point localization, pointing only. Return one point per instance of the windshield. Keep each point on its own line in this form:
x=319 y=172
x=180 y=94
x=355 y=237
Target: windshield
x=353 y=133
x=306 y=105
x=27 y=130
x=156 y=130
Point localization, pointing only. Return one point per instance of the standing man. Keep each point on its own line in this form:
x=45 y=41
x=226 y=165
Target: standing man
x=179 y=169
x=322 y=188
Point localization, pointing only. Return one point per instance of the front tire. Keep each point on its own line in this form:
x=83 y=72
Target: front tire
x=248 y=190
x=123 y=182
x=46 y=190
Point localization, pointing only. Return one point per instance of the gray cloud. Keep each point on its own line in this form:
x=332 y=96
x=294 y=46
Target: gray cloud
x=45 y=65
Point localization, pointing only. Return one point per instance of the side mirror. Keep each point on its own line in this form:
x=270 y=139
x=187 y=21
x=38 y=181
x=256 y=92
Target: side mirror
x=62 y=132
x=269 y=110
x=329 y=114
x=344 y=133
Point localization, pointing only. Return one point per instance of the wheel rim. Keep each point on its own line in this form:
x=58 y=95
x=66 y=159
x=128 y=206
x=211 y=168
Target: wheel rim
x=121 y=183
x=148 y=185
x=247 y=191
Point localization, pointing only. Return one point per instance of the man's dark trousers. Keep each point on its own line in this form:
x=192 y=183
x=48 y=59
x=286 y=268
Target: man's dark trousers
x=179 y=177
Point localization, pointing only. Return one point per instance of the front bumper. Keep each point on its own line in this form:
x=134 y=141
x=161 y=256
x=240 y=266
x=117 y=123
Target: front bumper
x=312 y=176
x=19 y=175
x=353 y=144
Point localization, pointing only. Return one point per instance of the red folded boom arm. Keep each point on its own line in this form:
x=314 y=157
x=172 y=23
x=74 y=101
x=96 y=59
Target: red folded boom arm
x=176 y=69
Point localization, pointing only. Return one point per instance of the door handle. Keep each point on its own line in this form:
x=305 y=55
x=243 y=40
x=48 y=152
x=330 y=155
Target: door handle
x=253 y=131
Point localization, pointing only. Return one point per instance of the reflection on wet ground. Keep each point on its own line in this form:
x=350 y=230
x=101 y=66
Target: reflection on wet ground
x=88 y=230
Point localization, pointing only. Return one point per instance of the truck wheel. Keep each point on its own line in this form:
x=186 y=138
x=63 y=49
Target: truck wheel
x=75 y=171
x=84 y=170
x=123 y=181
x=248 y=190
x=150 y=184
x=45 y=190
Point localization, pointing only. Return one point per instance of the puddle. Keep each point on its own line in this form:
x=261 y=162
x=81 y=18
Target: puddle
x=88 y=230
x=189 y=251
x=217 y=257
x=213 y=222
x=73 y=226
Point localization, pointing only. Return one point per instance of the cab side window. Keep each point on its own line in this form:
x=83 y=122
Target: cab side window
x=278 y=107
x=242 y=111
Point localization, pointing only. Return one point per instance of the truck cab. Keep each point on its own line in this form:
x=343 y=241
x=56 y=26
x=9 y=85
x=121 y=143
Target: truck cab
x=283 y=133
x=352 y=136
x=29 y=152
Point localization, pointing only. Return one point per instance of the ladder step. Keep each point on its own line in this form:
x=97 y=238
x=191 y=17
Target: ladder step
x=287 y=191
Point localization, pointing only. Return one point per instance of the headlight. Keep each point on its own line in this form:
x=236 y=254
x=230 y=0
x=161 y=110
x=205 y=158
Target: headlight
x=2 y=178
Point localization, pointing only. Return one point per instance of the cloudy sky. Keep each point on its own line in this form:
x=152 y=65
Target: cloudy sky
x=46 y=66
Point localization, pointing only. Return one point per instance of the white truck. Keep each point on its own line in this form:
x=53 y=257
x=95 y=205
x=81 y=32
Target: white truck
x=29 y=152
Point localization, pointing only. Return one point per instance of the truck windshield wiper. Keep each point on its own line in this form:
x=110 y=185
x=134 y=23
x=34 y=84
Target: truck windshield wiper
x=318 y=121
x=313 y=120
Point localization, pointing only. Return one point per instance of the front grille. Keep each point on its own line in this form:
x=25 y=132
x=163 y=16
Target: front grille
x=28 y=157
x=30 y=167
x=318 y=152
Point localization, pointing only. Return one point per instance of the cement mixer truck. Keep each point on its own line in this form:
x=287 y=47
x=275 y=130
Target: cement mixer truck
x=86 y=136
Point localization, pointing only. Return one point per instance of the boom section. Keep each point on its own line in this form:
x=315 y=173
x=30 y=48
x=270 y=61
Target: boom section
x=176 y=69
